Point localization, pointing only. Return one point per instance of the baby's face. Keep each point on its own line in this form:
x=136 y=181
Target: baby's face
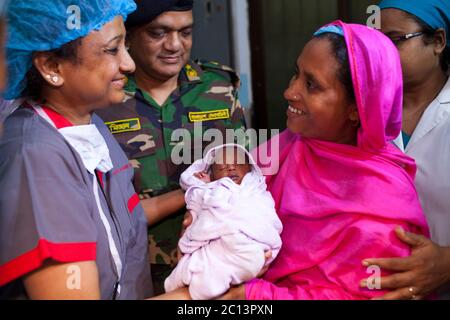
x=230 y=164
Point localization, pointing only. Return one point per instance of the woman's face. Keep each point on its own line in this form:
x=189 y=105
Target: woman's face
x=418 y=59
x=98 y=78
x=319 y=107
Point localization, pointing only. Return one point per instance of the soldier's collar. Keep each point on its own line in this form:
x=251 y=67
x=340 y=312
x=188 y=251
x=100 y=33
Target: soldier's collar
x=130 y=86
x=191 y=73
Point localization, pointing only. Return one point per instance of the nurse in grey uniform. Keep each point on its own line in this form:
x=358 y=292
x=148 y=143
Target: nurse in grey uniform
x=71 y=225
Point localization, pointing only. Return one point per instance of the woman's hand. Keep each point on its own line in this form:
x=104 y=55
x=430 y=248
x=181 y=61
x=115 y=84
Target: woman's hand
x=427 y=269
x=268 y=256
x=238 y=293
x=235 y=293
x=179 y=294
x=187 y=221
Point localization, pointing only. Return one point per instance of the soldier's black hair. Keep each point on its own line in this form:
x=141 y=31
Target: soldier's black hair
x=35 y=82
x=341 y=54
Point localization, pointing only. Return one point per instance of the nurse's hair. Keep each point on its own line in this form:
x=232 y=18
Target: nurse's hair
x=428 y=38
x=35 y=81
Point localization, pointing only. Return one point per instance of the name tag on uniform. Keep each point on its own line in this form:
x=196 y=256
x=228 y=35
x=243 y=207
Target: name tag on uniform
x=127 y=125
x=209 y=115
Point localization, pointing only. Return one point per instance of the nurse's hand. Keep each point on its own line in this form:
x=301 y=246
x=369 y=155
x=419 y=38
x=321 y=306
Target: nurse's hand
x=159 y=208
x=187 y=221
x=415 y=277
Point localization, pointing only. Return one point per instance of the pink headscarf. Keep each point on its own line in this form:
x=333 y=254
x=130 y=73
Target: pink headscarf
x=340 y=204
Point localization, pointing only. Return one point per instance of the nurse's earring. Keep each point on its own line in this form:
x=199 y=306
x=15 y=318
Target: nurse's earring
x=54 y=79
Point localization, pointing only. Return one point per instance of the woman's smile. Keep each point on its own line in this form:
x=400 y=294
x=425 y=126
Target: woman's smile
x=292 y=112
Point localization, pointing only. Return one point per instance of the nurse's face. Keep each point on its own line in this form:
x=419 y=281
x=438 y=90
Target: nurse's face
x=418 y=59
x=163 y=47
x=319 y=106
x=98 y=76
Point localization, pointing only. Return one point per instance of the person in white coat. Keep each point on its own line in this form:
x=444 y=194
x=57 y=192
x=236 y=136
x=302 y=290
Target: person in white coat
x=421 y=31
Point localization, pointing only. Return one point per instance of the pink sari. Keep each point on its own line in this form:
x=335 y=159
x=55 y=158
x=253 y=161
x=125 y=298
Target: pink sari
x=340 y=204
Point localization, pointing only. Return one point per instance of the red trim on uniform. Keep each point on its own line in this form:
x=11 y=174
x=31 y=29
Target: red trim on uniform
x=33 y=260
x=100 y=178
x=133 y=202
x=124 y=168
x=59 y=121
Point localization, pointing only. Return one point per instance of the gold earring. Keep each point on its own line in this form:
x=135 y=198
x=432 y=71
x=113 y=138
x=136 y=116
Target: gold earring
x=354 y=118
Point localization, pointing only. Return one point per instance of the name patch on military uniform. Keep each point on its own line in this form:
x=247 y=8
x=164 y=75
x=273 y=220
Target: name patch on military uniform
x=127 y=125
x=209 y=115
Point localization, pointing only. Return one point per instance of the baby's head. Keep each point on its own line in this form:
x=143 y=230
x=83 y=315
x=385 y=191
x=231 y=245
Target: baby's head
x=230 y=162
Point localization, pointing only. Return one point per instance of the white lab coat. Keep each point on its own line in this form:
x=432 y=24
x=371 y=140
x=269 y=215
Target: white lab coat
x=430 y=147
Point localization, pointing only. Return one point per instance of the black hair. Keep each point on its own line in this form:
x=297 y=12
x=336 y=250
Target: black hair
x=35 y=82
x=428 y=39
x=340 y=51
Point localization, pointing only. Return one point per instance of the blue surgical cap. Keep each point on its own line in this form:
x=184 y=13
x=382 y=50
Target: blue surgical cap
x=3 y=5
x=330 y=29
x=435 y=13
x=49 y=24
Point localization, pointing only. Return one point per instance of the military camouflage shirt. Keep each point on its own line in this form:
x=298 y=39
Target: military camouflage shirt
x=207 y=95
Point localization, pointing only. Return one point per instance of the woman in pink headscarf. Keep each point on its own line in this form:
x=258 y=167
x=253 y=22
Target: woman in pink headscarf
x=342 y=188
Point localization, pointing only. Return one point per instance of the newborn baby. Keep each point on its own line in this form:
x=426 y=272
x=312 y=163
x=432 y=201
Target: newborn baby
x=235 y=171
x=234 y=224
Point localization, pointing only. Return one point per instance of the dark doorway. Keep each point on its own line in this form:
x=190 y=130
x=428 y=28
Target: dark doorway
x=279 y=30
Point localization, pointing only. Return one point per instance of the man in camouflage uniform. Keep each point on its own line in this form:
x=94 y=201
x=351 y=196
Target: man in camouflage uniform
x=160 y=40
